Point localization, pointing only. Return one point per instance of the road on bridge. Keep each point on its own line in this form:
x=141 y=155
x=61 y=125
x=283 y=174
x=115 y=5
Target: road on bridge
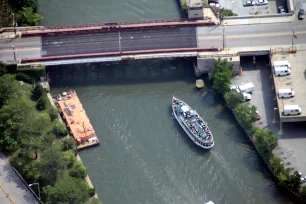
x=277 y=34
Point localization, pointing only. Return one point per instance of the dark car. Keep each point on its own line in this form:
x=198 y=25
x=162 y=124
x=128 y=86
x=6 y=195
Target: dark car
x=301 y=14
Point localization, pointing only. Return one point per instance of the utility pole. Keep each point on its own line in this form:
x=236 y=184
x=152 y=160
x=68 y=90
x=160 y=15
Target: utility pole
x=223 y=46
x=293 y=36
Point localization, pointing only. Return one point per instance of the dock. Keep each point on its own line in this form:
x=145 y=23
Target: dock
x=76 y=120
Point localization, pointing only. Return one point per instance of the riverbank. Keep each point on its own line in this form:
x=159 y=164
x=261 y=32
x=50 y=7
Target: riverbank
x=87 y=179
x=264 y=140
x=36 y=140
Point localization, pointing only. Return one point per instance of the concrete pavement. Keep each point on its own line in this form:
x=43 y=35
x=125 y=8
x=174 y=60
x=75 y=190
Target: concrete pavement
x=12 y=189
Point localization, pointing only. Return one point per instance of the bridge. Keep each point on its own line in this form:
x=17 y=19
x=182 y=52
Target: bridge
x=145 y=40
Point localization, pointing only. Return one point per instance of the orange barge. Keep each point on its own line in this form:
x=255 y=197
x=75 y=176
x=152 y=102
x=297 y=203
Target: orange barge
x=76 y=120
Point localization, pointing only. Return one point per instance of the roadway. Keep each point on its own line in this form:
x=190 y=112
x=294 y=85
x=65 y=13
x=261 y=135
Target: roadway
x=129 y=40
x=204 y=36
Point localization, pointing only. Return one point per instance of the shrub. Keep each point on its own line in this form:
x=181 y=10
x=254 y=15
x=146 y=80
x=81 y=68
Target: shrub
x=265 y=140
x=24 y=77
x=246 y=115
x=59 y=129
x=53 y=113
x=3 y=69
x=91 y=192
x=78 y=171
x=221 y=75
x=93 y=201
x=233 y=98
x=68 y=143
x=38 y=91
x=70 y=159
x=41 y=103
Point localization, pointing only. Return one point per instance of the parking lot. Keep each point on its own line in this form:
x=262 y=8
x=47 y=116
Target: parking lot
x=295 y=81
x=237 y=7
x=292 y=139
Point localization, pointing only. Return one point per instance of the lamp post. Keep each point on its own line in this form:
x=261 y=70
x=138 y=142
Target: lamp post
x=32 y=184
x=274 y=120
x=14 y=23
x=13 y=46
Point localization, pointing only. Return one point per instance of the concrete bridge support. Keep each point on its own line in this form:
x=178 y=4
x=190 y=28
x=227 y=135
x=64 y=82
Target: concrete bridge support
x=206 y=64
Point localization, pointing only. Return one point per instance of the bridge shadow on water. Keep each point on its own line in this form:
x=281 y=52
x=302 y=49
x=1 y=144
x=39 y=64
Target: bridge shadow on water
x=124 y=72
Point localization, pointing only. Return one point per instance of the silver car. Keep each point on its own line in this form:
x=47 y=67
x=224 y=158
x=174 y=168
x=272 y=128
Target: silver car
x=261 y=2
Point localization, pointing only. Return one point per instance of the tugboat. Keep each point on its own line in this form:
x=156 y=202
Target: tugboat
x=191 y=122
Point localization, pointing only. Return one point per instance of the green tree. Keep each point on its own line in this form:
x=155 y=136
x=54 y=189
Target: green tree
x=24 y=77
x=265 y=140
x=59 y=129
x=91 y=191
x=233 y=98
x=42 y=103
x=67 y=190
x=276 y=164
x=19 y=4
x=52 y=164
x=12 y=116
x=8 y=89
x=78 y=171
x=221 y=75
x=246 y=115
x=225 y=12
x=3 y=69
x=38 y=92
x=27 y=17
x=68 y=143
x=53 y=113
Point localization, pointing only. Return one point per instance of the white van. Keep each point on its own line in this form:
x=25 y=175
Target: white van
x=246 y=96
x=281 y=64
x=285 y=93
x=292 y=110
x=247 y=88
x=282 y=71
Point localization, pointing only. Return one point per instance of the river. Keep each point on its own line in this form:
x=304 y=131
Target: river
x=144 y=156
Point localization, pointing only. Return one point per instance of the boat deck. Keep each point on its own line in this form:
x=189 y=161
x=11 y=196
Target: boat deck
x=76 y=120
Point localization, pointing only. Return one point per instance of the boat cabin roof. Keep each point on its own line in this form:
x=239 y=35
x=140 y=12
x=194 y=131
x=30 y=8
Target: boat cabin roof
x=185 y=109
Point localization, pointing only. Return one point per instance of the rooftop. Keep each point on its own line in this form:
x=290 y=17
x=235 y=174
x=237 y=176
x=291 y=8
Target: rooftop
x=195 y=3
x=295 y=81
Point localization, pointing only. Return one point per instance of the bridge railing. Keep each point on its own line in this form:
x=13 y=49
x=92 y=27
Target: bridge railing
x=117 y=23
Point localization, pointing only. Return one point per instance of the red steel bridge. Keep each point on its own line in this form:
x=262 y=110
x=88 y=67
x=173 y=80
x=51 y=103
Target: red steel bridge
x=119 y=40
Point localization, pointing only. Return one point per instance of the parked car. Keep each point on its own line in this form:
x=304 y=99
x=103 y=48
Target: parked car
x=261 y=2
x=281 y=9
x=249 y=3
x=301 y=14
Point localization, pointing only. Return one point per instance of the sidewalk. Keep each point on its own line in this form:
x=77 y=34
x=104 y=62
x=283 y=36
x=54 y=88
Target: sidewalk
x=258 y=20
x=12 y=189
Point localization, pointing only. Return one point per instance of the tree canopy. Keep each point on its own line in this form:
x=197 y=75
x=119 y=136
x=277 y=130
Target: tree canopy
x=68 y=190
x=27 y=17
x=221 y=75
x=246 y=115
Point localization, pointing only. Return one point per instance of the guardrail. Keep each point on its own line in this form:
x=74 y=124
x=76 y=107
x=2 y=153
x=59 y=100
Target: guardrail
x=27 y=185
x=107 y=54
x=117 y=27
